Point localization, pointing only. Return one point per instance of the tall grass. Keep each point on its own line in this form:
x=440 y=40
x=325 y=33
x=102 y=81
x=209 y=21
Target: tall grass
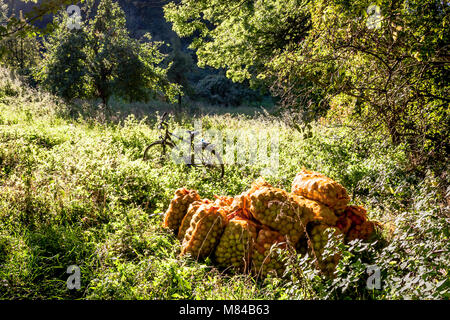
x=74 y=190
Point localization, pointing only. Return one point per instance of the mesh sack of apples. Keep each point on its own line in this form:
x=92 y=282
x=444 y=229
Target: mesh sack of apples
x=253 y=231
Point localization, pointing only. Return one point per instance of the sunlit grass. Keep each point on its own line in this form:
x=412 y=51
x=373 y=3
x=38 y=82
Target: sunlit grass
x=75 y=190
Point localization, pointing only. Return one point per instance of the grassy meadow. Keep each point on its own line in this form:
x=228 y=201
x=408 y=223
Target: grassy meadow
x=75 y=190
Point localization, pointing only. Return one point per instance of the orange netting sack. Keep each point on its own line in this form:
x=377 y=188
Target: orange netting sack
x=235 y=246
x=186 y=222
x=204 y=232
x=225 y=205
x=356 y=214
x=316 y=186
x=178 y=208
x=279 y=210
x=266 y=256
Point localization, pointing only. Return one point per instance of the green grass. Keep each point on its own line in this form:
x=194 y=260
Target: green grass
x=74 y=190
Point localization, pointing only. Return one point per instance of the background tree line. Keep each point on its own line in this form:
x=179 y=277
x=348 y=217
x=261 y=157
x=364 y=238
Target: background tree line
x=390 y=77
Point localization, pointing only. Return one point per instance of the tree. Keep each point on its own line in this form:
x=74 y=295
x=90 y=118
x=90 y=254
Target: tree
x=21 y=53
x=389 y=62
x=63 y=70
x=182 y=64
x=391 y=73
x=242 y=37
x=3 y=12
x=100 y=59
x=239 y=36
x=18 y=52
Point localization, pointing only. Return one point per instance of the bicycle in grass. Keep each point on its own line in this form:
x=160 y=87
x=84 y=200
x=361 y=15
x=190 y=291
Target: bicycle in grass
x=201 y=154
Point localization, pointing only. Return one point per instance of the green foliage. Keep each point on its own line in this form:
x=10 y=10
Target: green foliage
x=18 y=51
x=21 y=26
x=21 y=54
x=391 y=73
x=10 y=85
x=101 y=60
x=411 y=264
x=217 y=89
x=63 y=71
x=3 y=12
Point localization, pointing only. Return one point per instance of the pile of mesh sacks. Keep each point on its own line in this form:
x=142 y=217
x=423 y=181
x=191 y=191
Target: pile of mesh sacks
x=251 y=231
